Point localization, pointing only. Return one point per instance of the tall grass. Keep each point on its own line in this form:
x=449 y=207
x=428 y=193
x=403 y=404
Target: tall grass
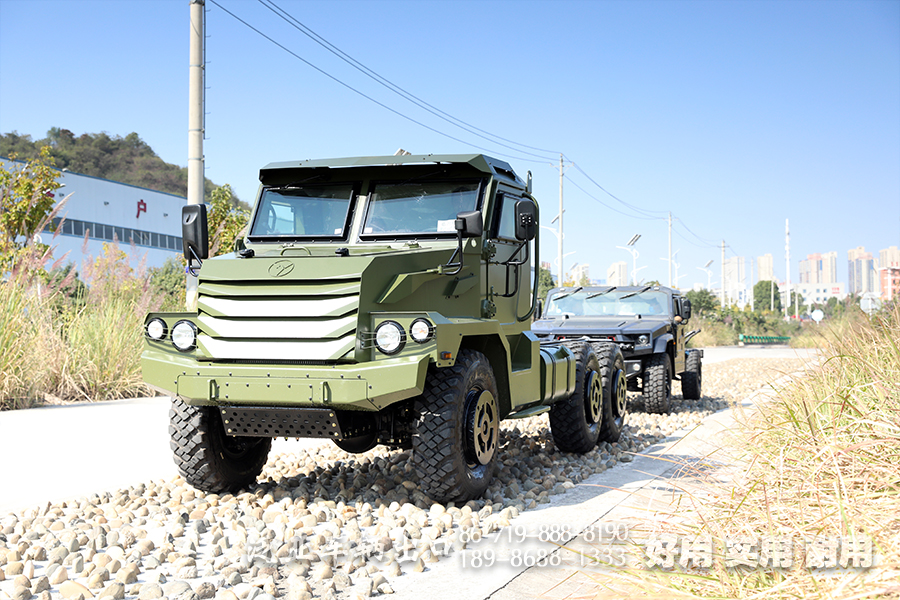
x=55 y=347
x=821 y=459
x=27 y=343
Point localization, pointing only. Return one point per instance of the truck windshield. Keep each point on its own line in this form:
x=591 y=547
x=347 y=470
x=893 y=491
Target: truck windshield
x=614 y=303
x=307 y=211
x=418 y=207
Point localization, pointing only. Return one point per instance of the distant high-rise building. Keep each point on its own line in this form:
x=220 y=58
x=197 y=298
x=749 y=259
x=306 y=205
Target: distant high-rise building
x=735 y=284
x=581 y=274
x=861 y=277
x=764 y=269
x=819 y=268
x=889 y=257
x=890 y=282
x=617 y=274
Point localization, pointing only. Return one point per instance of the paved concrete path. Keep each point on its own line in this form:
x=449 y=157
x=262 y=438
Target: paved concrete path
x=56 y=453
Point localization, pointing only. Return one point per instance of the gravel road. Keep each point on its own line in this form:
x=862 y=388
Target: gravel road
x=320 y=523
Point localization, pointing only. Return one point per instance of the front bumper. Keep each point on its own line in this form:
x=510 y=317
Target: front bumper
x=363 y=386
x=632 y=368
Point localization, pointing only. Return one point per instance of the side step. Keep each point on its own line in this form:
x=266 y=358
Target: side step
x=290 y=422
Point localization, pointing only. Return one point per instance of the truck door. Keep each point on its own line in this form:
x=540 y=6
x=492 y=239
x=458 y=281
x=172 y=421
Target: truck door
x=511 y=286
x=678 y=333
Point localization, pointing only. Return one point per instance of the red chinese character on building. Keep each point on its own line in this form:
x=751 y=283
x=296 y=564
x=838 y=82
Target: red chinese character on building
x=142 y=208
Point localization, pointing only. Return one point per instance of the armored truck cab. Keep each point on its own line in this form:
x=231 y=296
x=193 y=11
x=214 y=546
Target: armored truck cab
x=380 y=300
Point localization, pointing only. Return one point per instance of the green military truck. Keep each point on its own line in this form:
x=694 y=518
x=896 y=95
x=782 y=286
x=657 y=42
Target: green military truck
x=378 y=300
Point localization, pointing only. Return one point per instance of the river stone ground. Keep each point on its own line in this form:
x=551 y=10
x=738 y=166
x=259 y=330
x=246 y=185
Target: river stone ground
x=320 y=523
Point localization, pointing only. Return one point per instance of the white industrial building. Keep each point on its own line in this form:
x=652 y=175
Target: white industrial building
x=99 y=210
x=819 y=293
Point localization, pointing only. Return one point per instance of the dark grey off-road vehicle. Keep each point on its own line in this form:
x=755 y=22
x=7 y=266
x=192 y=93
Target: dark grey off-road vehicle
x=647 y=323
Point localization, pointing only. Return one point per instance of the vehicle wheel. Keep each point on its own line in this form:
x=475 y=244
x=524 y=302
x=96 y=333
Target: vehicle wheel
x=575 y=422
x=456 y=429
x=692 y=378
x=206 y=457
x=658 y=384
x=615 y=390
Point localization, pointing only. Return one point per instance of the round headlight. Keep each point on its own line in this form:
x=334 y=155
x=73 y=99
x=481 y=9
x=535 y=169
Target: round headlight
x=643 y=340
x=421 y=331
x=389 y=337
x=156 y=329
x=184 y=335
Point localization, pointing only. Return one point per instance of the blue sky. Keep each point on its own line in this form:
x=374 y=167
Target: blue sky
x=733 y=115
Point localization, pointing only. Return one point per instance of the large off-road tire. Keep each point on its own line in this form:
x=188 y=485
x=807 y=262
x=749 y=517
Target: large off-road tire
x=457 y=429
x=615 y=388
x=206 y=457
x=692 y=378
x=658 y=384
x=576 y=421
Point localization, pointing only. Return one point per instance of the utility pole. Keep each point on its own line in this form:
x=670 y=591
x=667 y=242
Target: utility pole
x=772 y=292
x=670 y=249
x=723 y=273
x=560 y=241
x=197 y=67
x=560 y=217
x=787 y=268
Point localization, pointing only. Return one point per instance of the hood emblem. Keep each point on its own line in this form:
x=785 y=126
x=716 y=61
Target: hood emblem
x=281 y=268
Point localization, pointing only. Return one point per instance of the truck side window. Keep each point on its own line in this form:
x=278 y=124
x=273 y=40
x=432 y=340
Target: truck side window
x=505 y=226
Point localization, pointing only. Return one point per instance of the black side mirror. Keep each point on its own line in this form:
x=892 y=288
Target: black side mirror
x=686 y=309
x=469 y=224
x=539 y=309
x=194 y=232
x=526 y=220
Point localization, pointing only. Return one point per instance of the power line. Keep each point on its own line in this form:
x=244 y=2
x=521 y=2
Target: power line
x=307 y=31
x=643 y=214
x=612 y=208
x=364 y=95
x=706 y=241
x=647 y=213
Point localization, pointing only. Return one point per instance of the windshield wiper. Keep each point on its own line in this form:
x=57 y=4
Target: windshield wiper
x=601 y=293
x=640 y=291
x=567 y=294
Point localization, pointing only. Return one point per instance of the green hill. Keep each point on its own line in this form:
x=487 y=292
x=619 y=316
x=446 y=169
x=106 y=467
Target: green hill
x=126 y=159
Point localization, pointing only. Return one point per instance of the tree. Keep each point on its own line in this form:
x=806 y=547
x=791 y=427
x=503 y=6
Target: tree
x=26 y=203
x=128 y=160
x=762 y=296
x=702 y=301
x=169 y=282
x=545 y=283
x=226 y=220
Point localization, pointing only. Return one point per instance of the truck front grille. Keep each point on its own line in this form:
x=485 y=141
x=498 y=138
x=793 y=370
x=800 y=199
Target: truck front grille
x=290 y=322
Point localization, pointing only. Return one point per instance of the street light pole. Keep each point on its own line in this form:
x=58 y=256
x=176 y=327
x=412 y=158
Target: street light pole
x=634 y=254
x=708 y=273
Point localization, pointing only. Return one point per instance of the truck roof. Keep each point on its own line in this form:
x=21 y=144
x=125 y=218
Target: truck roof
x=479 y=162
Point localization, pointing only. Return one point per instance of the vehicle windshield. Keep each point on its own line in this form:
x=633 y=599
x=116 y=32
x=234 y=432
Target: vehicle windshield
x=303 y=211
x=418 y=207
x=613 y=303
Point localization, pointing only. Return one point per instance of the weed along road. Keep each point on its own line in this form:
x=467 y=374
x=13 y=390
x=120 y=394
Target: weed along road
x=91 y=504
